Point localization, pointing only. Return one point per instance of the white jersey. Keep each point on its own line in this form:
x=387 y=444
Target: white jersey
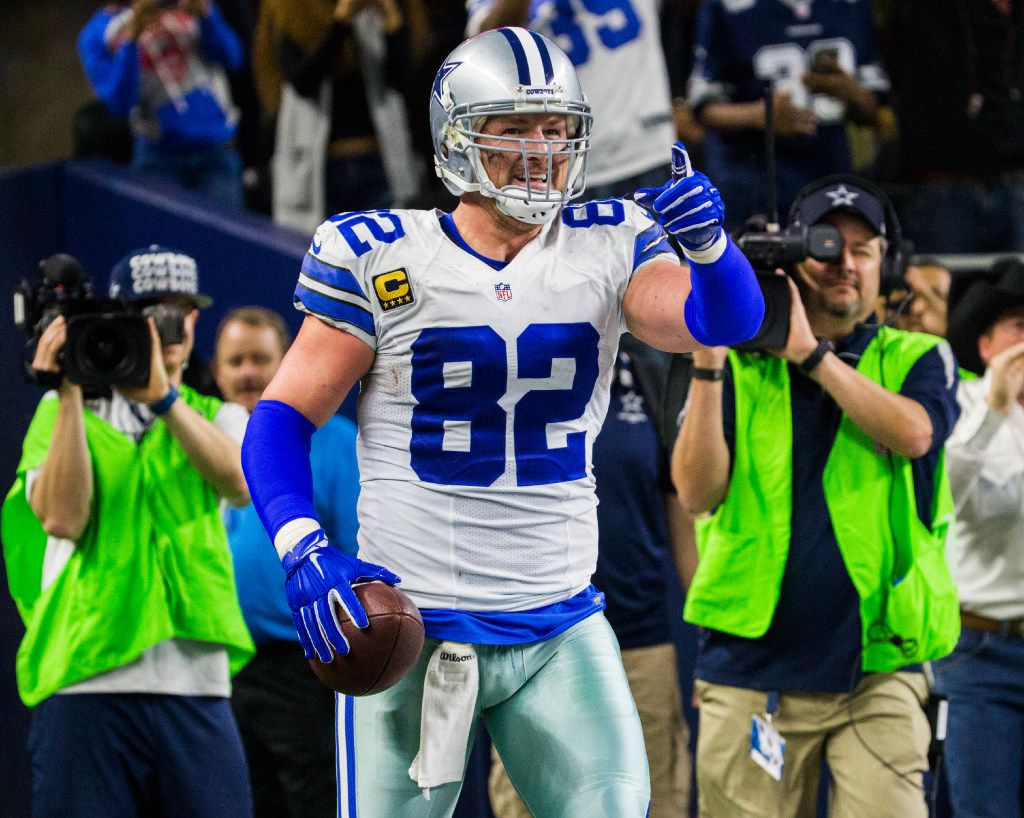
x=621 y=65
x=477 y=418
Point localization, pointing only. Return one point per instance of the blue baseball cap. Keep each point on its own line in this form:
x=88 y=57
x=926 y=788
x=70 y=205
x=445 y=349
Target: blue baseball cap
x=155 y=271
x=842 y=192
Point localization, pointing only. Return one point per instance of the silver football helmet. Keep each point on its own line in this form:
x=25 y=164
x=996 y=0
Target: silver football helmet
x=498 y=73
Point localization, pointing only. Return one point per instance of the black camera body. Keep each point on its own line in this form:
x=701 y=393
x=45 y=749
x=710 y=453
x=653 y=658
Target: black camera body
x=769 y=250
x=108 y=341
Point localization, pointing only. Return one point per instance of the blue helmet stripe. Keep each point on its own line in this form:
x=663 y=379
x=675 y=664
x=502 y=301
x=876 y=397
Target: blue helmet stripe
x=522 y=66
x=545 y=57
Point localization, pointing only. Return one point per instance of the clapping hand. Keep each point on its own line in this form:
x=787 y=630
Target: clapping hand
x=1007 y=386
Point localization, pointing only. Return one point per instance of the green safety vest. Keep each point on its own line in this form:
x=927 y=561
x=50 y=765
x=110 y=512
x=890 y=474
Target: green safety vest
x=908 y=603
x=152 y=564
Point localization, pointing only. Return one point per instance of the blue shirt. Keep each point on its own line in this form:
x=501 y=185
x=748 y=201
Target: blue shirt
x=814 y=640
x=737 y=45
x=171 y=80
x=258 y=574
x=633 y=558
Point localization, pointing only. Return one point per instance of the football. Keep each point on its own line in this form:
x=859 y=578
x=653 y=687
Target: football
x=379 y=654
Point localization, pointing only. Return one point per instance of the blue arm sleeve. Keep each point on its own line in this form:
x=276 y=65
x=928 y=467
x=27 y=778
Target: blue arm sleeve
x=725 y=305
x=275 y=459
x=113 y=76
x=218 y=40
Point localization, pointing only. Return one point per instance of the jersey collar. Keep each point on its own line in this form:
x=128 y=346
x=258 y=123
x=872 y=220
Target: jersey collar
x=452 y=232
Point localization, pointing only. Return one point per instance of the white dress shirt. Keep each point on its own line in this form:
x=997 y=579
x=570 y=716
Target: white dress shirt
x=986 y=469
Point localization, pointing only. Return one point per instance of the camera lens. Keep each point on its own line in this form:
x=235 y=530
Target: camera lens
x=105 y=346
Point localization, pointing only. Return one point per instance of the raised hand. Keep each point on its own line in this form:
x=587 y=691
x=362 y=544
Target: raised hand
x=317 y=577
x=144 y=12
x=1007 y=368
x=688 y=206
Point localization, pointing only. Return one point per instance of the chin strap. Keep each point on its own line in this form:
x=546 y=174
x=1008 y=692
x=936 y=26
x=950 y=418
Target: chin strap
x=526 y=211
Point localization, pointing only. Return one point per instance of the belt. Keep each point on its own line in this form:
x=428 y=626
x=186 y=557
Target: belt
x=1007 y=627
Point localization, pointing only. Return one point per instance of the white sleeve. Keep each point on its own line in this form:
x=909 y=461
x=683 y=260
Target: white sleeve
x=232 y=419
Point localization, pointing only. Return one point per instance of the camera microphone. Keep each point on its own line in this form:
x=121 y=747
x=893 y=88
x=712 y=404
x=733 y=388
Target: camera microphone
x=62 y=272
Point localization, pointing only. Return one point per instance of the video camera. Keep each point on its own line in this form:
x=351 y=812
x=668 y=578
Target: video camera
x=108 y=341
x=768 y=248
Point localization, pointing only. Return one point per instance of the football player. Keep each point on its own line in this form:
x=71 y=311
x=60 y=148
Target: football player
x=484 y=341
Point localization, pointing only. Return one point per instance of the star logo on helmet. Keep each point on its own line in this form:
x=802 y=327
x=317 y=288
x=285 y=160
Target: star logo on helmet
x=441 y=90
x=841 y=197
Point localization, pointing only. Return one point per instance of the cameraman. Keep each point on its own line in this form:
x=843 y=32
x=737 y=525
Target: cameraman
x=118 y=562
x=822 y=577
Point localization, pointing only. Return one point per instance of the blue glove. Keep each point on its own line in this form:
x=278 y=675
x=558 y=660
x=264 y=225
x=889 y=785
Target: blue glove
x=317 y=577
x=688 y=206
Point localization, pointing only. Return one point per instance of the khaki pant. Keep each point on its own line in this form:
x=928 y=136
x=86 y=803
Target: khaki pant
x=883 y=721
x=651 y=673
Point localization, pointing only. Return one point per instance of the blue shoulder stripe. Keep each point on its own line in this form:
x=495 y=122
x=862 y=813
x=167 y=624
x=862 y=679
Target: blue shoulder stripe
x=337 y=277
x=652 y=242
x=334 y=309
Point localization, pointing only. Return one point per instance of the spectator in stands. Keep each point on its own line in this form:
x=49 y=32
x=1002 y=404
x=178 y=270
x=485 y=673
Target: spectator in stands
x=822 y=573
x=820 y=58
x=921 y=305
x=434 y=35
x=640 y=528
x=284 y=713
x=251 y=138
x=118 y=562
x=331 y=72
x=961 y=122
x=164 y=64
x=983 y=677
x=618 y=57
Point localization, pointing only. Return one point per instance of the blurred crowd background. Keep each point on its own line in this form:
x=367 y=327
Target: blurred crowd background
x=309 y=107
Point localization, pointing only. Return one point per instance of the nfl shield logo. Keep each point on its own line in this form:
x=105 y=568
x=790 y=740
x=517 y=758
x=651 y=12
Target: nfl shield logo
x=503 y=291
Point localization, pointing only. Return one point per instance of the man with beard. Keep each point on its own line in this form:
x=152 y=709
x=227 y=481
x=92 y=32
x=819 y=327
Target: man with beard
x=822 y=579
x=284 y=713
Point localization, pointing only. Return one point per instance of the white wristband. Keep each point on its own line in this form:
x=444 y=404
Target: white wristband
x=292 y=531
x=711 y=254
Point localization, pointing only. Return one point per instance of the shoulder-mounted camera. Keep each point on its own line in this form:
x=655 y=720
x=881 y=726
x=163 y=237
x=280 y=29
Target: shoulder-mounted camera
x=108 y=341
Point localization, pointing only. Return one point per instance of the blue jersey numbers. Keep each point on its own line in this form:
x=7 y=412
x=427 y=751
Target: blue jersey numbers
x=360 y=229
x=599 y=211
x=460 y=375
x=617 y=24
